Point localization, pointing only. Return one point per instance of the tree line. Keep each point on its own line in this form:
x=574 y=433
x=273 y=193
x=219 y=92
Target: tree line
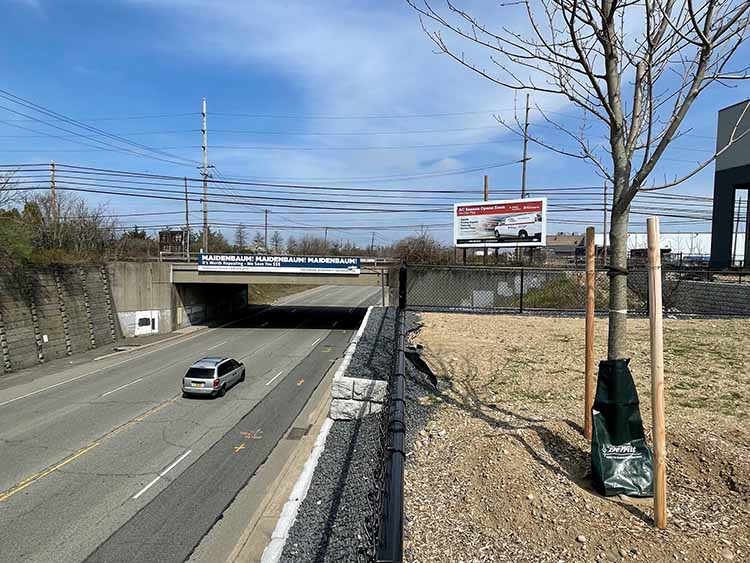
x=42 y=229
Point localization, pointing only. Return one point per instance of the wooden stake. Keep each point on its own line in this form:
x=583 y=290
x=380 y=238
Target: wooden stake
x=657 y=374
x=589 y=383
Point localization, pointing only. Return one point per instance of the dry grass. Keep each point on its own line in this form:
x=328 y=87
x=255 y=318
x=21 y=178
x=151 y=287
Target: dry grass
x=499 y=474
x=263 y=294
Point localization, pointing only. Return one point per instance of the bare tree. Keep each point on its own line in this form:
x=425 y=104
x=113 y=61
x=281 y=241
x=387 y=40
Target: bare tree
x=276 y=241
x=421 y=248
x=67 y=228
x=8 y=195
x=258 y=241
x=633 y=67
x=240 y=238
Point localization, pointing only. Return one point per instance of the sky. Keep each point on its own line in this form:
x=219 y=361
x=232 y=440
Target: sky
x=330 y=93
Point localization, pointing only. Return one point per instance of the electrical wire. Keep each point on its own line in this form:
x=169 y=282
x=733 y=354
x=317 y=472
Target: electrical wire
x=9 y=96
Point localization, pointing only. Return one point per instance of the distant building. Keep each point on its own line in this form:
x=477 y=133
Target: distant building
x=639 y=257
x=171 y=240
x=566 y=245
x=731 y=182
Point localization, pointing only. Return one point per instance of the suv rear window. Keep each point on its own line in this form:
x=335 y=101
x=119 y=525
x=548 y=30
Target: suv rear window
x=200 y=373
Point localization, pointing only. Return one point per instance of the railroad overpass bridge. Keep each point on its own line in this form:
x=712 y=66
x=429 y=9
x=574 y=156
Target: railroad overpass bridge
x=371 y=274
x=159 y=297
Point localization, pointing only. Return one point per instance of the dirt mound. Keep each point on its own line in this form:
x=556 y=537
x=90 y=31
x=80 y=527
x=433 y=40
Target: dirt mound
x=501 y=470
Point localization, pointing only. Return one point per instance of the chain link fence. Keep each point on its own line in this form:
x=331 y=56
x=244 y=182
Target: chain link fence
x=371 y=524
x=522 y=289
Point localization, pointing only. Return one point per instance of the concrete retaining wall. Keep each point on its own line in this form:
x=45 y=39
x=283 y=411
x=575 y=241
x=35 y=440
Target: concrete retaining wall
x=51 y=313
x=54 y=312
x=693 y=297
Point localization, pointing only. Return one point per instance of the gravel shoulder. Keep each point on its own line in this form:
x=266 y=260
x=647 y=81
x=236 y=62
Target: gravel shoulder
x=498 y=468
x=332 y=522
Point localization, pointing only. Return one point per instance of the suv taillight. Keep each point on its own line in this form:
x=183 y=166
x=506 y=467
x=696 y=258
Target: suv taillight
x=216 y=383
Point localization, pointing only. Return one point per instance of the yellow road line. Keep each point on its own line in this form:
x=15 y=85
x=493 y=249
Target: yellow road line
x=17 y=488
x=34 y=478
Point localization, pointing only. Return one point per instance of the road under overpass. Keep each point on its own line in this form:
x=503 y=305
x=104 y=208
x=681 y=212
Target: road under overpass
x=106 y=461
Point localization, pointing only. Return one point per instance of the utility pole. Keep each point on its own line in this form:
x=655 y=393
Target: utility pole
x=187 y=224
x=372 y=243
x=525 y=149
x=746 y=261
x=205 y=178
x=604 y=231
x=325 y=237
x=52 y=192
x=265 y=243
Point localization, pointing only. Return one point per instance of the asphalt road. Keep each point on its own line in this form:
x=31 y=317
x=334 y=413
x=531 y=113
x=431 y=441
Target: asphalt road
x=106 y=461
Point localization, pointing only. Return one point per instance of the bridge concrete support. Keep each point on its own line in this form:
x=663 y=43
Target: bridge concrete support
x=147 y=302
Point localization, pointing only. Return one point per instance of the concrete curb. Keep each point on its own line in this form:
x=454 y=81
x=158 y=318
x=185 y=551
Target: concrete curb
x=273 y=551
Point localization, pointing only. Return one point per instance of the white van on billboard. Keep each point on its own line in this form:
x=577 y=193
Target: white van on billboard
x=507 y=223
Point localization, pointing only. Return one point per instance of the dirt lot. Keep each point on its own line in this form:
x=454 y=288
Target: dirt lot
x=500 y=472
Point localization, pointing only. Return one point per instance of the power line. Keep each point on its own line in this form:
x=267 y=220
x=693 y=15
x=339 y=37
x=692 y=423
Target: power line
x=9 y=96
x=66 y=137
x=135 y=117
x=348 y=117
x=355 y=133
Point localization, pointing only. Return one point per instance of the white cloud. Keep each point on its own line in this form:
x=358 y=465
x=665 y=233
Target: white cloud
x=34 y=4
x=347 y=59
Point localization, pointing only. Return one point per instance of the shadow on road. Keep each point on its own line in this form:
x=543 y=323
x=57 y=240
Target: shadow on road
x=299 y=317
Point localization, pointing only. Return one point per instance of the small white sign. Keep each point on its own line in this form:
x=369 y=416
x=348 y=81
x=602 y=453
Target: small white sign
x=44 y=338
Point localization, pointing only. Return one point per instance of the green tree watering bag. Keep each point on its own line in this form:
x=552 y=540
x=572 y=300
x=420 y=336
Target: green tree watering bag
x=621 y=463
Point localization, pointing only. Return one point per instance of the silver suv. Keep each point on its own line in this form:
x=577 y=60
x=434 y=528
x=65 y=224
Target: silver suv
x=212 y=376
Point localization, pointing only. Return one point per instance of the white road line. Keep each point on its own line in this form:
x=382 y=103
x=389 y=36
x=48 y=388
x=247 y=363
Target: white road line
x=162 y=474
x=122 y=387
x=274 y=377
x=316 y=341
x=217 y=345
x=157 y=349
x=73 y=379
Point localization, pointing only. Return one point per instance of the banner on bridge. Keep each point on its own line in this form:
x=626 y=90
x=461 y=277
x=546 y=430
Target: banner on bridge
x=279 y=264
x=502 y=223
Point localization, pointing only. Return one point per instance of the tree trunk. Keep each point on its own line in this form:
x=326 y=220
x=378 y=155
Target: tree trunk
x=618 y=285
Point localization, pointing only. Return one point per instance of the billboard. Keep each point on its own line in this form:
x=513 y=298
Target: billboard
x=281 y=264
x=498 y=224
